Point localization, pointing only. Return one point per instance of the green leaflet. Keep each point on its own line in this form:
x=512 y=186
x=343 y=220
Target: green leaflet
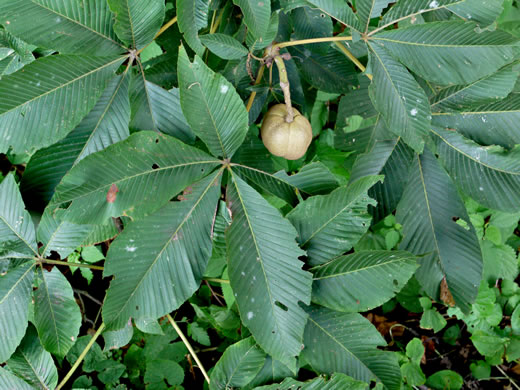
x=265 y=272
x=158 y=262
x=159 y=168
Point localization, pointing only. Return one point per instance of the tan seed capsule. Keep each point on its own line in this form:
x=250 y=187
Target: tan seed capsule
x=286 y=139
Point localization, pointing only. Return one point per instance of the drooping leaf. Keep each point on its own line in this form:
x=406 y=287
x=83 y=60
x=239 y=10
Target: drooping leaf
x=145 y=166
x=412 y=8
x=60 y=236
x=212 y=107
x=337 y=381
x=69 y=27
x=17 y=53
x=487 y=90
x=15 y=295
x=331 y=72
x=339 y=10
x=330 y=225
x=238 y=365
x=312 y=179
x=312 y=23
x=457 y=54
x=17 y=236
x=41 y=103
x=483 y=13
x=193 y=16
x=265 y=273
x=32 y=363
x=256 y=15
x=385 y=155
x=8 y=380
x=347 y=343
x=56 y=314
x=490 y=175
x=490 y=124
x=137 y=21
x=115 y=339
x=363 y=280
x=224 y=46
x=400 y=100
x=430 y=229
x=158 y=262
x=272 y=371
x=154 y=108
x=104 y=125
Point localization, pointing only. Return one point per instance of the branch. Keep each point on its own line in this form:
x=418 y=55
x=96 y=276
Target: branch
x=81 y=357
x=188 y=345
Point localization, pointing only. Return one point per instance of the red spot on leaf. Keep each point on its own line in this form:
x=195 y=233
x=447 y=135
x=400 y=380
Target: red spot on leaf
x=112 y=193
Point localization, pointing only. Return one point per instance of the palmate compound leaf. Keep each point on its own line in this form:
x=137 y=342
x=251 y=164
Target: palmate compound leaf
x=430 y=229
x=134 y=177
x=56 y=314
x=399 y=99
x=15 y=295
x=456 y=53
x=137 y=21
x=488 y=124
x=489 y=174
x=362 y=280
x=32 y=363
x=238 y=365
x=104 y=125
x=329 y=225
x=265 y=273
x=158 y=261
x=212 y=106
x=347 y=343
x=70 y=27
x=41 y=103
x=17 y=236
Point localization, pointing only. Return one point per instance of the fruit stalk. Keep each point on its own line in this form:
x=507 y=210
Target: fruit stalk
x=284 y=84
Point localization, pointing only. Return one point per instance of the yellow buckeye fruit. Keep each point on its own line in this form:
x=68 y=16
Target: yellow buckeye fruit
x=286 y=139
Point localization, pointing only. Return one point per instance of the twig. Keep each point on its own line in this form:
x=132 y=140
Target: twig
x=313 y=40
x=352 y=58
x=253 y=94
x=216 y=280
x=61 y=262
x=81 y=357
x=188 y=345
x=86 y=294
x=508 y=377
